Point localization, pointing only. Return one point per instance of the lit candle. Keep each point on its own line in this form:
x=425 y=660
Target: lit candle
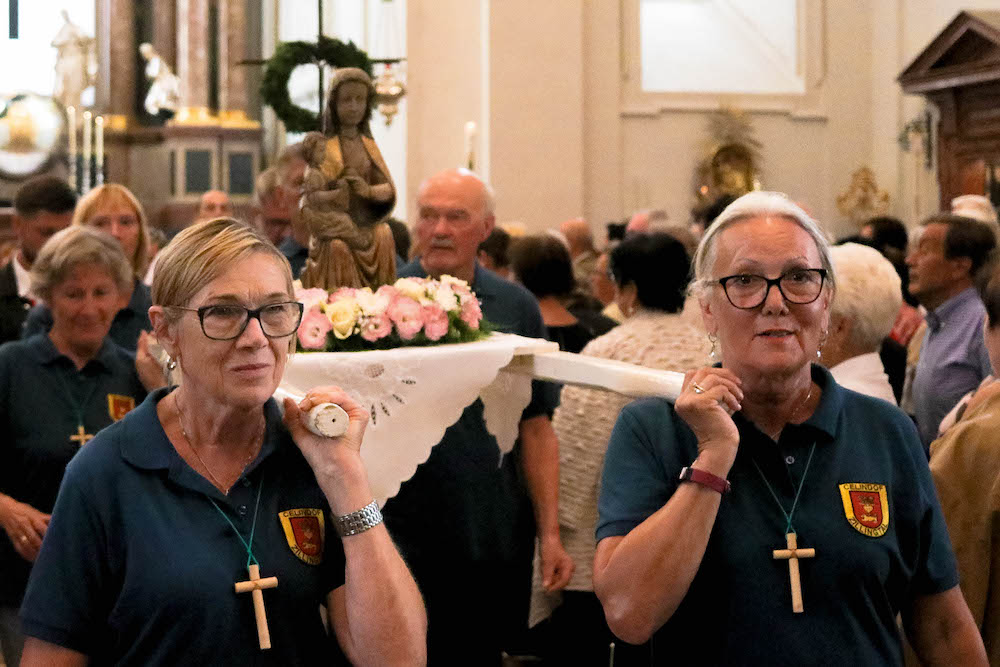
x=470 y=142
x=71 y=131
x=99 y=149
x=87 y=146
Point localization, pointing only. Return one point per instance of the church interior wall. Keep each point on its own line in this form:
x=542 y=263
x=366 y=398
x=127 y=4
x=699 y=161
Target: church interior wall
x=558 y=132
x=550 y=161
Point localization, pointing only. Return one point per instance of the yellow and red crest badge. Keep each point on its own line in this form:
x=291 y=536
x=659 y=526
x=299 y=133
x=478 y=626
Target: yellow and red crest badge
x=119 y=406
x=305 y=532
x=866 y=507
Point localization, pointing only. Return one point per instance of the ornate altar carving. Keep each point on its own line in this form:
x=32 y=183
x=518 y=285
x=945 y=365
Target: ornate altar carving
x=863 y=200
x=731 y=162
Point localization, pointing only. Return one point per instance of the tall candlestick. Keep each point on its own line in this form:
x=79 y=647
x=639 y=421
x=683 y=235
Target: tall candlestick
x=99 y=150
x=71 y=131
x=87 y=147
x=470 y=145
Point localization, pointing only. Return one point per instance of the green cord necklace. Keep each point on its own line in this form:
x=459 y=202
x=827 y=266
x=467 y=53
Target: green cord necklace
x=82 y=437
x=254 y=585
x=792 y=553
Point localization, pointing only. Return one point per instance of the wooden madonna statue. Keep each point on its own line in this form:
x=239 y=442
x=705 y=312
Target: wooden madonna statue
x=347 y=193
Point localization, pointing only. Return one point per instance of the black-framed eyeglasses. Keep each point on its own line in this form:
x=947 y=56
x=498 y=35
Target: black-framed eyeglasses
x=229 y=321
x=800 y=286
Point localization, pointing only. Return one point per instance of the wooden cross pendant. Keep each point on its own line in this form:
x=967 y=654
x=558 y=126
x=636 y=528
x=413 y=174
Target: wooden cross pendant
x=81 y=437
x=792 y=554
x=255 y=585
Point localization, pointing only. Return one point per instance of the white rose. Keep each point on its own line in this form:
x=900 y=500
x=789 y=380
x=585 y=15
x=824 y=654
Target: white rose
x=446 y=298
x=411 y=288
x=343 y=315
x=452 y=280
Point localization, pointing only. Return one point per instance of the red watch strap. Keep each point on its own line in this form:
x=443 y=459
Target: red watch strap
x=705 y=478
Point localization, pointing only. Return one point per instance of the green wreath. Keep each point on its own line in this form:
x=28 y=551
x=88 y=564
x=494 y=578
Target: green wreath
x=288 y=56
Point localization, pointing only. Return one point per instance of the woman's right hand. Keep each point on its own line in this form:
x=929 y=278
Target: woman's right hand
x=708 y=398
x=24 y=525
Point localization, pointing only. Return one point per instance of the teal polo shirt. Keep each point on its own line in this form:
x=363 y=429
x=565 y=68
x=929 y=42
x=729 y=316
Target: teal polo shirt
x=41 y=391
x=871 y=559
x=138 y=567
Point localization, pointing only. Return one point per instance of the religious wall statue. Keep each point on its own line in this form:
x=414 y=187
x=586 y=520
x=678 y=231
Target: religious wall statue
x=732 y=156
x=76 y=62
x=347 y=193
x=165 y=91
x=863 y=199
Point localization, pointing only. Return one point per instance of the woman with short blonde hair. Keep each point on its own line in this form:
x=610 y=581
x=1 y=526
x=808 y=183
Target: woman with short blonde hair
x=113 y=209
x=57 y=390
x=207 y=485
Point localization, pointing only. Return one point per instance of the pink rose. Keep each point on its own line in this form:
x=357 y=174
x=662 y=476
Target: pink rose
x=435 y=322
x=342 y=293
x=471 y=313
x=313 y=330
x=310 y=298
x=375 y=327
x=405 y=313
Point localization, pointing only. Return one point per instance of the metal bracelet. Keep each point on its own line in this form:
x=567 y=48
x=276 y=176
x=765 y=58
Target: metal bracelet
x=359 y=521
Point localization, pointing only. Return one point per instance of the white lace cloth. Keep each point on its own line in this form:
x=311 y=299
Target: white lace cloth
x=413 y=394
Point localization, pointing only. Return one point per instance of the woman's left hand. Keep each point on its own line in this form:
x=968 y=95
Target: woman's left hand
x=331 y=457
x=147 y=367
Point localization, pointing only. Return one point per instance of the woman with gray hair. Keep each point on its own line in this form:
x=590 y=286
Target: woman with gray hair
x=206 y=493
x=768 y=516
x=58 y=389
x=869 y=295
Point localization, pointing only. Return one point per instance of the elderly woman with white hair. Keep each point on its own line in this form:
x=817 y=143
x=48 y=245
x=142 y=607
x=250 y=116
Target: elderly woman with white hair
x=868 y=298
x=768 y=516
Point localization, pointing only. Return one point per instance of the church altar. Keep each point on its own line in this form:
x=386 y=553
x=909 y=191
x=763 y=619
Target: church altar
x=413 y=394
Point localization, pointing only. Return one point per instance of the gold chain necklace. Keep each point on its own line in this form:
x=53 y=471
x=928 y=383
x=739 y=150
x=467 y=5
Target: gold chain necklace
x=215 y=480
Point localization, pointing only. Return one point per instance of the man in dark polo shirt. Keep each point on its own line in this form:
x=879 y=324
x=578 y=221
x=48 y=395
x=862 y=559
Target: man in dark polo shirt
x=463 y=522
x=42 y=206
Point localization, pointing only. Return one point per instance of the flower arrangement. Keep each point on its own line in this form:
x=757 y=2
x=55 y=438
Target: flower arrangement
x=413 y=311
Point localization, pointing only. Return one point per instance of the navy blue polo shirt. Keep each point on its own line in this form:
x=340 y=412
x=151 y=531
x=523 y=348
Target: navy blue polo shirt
x=125 y=327
x=138 y=567
x=868 y=507
x=295 y=253
x=40 y=392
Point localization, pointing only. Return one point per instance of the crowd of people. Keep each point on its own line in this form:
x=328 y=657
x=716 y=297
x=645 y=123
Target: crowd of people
x=827 y=469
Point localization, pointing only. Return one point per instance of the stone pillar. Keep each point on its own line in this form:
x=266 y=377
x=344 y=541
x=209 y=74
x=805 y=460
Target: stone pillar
x=192 y=63
x=165 y=31
x=233 y=95
x=117 y=62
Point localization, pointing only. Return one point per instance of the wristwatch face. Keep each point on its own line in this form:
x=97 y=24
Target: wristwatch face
x=31 y=127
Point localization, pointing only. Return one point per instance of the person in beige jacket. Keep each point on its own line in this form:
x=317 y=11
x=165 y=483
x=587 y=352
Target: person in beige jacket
x=965 y=463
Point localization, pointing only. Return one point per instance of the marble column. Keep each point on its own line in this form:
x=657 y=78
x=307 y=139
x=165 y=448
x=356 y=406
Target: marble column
x=165 y=31
x=233 y=97
x=192 y=63
x=117 y=62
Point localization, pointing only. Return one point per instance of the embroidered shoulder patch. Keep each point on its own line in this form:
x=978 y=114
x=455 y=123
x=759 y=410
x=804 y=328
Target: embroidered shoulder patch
x=866 y=507
x=305 y=531
x=119 y=406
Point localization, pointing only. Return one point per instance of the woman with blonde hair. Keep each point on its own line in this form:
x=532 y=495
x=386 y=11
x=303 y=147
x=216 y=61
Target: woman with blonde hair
x=57 y=390
x=163 y=519
x=112 y=208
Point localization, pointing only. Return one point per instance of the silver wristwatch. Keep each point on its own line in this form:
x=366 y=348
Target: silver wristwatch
x=367 y=517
